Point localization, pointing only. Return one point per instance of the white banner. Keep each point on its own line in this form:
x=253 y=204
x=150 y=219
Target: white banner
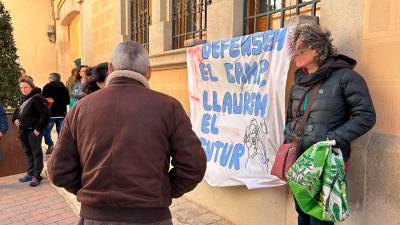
x=237 y=102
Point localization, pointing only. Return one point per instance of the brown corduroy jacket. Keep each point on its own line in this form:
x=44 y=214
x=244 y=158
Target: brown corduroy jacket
x=116 y=147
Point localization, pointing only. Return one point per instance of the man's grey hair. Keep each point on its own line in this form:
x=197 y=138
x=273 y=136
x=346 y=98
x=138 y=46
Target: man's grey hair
x=314 y=37
x=130 y=55
x=55 y=76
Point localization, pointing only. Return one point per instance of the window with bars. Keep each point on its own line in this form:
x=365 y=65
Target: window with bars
x=189 y=21
x=140 y=21
x=261 y=15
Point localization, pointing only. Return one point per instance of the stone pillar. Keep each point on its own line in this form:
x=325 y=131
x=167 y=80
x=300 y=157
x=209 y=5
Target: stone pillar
x=347 y=28
x=123 y=12
x=86 y=31
x=224 y=19
x=160 y=30
x=301 y=19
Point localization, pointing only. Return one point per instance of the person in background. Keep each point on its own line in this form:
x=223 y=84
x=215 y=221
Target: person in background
x=57 y=94
x=31 y=119
x=117 y=144
x=3 y=122
x=80 y=81
x=97 y=79
x=342 y=109
x=71 y=80
x=24 y=75
x=70 y=85
x=3 y=126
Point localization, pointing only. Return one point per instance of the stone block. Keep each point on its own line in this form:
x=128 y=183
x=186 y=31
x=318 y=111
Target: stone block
x=301 y=19
x=184 y=211
x=383 y=171
x=207 y=218
x=193 y=42
x=362 y=141
x=160 y=35
x=291 y=214
x=382 y=209
x=240 y=205
x=357 y=172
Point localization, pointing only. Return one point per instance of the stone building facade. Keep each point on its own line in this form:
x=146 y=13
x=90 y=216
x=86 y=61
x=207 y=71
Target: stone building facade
x=366 y=30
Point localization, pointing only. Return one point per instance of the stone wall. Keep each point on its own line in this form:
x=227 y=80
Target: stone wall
x=30 y=20
x=359 y=29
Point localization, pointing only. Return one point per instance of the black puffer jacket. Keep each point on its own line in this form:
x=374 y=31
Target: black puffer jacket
x=342 y=109
x=59 y=93
x=35 y=114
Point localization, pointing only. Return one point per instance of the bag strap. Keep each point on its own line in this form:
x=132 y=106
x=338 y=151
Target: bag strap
x=293 y=124
x=314 y=90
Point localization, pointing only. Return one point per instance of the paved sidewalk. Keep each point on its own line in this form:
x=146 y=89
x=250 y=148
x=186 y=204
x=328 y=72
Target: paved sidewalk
x=21 y=204
x=46 y=204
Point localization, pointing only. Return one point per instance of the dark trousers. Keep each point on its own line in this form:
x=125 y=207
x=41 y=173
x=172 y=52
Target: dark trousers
x=33 y=151
x=305 y=219
x=47 y=133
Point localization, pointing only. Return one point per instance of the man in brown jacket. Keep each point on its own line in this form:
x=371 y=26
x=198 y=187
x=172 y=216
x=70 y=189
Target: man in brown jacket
x=117 y=144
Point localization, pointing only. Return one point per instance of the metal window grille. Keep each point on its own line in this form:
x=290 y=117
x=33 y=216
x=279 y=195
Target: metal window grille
x=140 y=21
x=261 y=14
x=189 y=21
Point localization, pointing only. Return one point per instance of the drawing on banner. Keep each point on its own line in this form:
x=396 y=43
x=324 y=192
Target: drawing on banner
x=254 y=138
x=237 y=105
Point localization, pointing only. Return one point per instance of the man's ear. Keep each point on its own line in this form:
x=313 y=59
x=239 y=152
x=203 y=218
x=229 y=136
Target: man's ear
x=148 y=75
x=110 y=68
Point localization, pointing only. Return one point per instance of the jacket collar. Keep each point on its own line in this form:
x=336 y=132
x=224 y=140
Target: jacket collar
x=127 y=74
x=34 y=91
x=333 y=63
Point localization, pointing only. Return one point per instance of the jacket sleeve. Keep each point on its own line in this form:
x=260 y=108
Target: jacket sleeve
x=15 y=115
x=3 y=120
x=64 y=167
x=289 y=119
x=188 y=157
x=77 y=91
x=44 y=112
x=66 y=96
x=363 y=117
x=47 y=92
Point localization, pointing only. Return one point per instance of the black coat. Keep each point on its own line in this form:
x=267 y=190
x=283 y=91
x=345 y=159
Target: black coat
x=36 y=113
x=59 y=93
x=342 y=109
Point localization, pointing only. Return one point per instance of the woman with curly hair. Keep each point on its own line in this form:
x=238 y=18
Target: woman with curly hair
x=342 y=109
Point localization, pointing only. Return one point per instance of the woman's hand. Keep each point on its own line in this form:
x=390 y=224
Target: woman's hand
x=36 y=133
x=17 y=123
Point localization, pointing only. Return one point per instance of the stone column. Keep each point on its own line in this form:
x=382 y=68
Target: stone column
x=86 y=31
x=224 y=19
x=160 y=30
x=123 y=12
